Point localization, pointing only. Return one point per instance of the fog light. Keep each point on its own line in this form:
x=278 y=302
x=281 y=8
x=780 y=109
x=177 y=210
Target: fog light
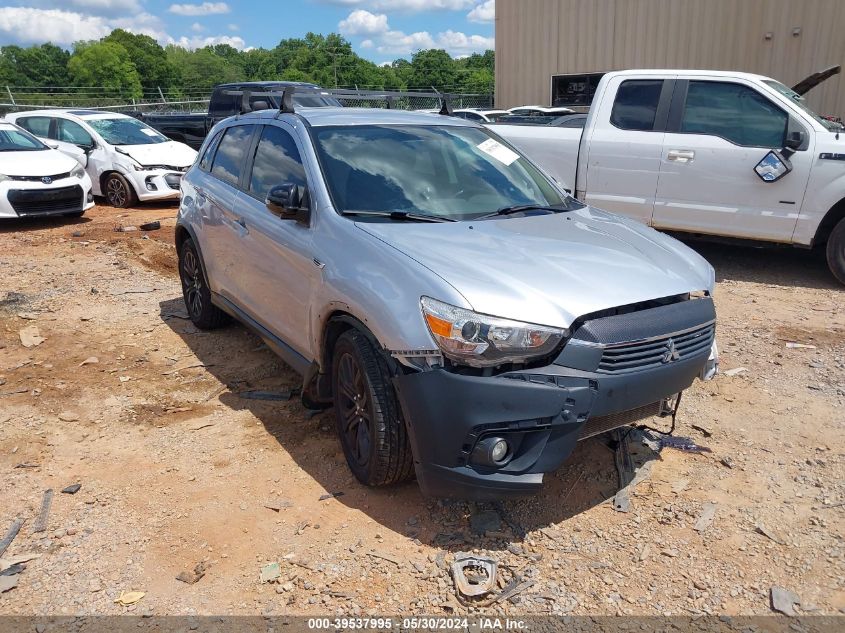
x=90 y=197
x=492 y=451
x=499 y=451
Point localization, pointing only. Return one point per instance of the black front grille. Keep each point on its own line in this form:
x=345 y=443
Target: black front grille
x=173 y=180
x=44 y=201
x=656 y=352
x=53 y=177
x=605 y=423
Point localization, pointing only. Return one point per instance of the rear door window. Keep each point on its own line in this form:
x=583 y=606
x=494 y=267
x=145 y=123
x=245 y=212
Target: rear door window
x=38 y=125
x=229 y=158
x=734 y=112
x=277 y=161
x=636 y=103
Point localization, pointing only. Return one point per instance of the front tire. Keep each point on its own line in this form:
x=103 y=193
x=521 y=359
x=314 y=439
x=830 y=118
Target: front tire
x=195 y=290
x=369 y=421
x=119 y=192
x=836 y=251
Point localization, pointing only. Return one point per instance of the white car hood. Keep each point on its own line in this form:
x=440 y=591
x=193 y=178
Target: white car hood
x=551 y=269
x=171 y=153
x=48 y=162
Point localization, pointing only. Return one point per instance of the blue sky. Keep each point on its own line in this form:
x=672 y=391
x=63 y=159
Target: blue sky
x=380 y=30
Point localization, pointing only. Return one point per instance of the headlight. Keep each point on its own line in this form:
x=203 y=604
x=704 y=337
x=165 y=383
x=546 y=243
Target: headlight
x=479 y=340
x=78 y=171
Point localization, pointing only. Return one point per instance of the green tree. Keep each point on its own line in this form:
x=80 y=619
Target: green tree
x=203 y=68
x=149 y=58
x=105 y=64
x=44 y=65
x=433 y=68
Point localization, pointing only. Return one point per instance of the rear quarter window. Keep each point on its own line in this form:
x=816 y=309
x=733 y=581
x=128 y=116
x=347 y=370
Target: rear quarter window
x=229 y=158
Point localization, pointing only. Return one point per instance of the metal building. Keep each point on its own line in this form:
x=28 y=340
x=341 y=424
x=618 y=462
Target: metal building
x=538 y=40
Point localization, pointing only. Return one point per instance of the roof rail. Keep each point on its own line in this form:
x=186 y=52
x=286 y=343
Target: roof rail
x=286 y=94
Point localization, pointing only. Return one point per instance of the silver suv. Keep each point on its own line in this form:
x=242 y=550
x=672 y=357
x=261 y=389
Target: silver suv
x=469 y=321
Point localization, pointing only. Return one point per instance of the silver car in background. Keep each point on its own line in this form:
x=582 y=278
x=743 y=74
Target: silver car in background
x=467 y=319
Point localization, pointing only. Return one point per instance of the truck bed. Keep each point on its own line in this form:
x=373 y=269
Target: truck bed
x=552 y=149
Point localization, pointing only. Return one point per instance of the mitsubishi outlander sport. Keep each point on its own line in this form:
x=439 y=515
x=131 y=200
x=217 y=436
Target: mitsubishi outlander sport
x=468 y=320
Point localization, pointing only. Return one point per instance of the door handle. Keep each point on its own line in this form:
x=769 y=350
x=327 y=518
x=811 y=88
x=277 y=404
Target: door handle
x=240 y=222
x=681 y=155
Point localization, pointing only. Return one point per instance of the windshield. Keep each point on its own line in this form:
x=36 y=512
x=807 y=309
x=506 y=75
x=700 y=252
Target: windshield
x=451 y=172
x=799 y=101
x=13 y=140
x=126 y=131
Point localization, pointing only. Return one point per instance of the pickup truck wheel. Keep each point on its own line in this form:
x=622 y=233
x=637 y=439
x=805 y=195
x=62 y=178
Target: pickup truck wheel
x=369 y=421
x=119 y=192
x=836 y=251
x=195 y=291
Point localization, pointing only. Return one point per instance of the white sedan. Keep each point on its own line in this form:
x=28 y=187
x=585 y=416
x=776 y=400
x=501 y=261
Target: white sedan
x=126 y=159
x=38 y=180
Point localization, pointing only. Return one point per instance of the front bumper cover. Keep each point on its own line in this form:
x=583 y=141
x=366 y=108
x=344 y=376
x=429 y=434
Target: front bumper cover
x=542 y=412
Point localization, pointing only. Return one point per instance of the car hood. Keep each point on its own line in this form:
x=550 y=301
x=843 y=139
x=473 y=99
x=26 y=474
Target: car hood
x=48 y=162
x=171 y=153
x=551 y=269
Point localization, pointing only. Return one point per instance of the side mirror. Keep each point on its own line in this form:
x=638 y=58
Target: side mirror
x=51 y=145
x=289 y=202
x=773 y=167
x=795 y=140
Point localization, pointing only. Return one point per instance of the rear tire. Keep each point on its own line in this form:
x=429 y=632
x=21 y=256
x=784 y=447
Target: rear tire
x=195 y=291
x=372 y=432
x=836 y=251
x=119 y=192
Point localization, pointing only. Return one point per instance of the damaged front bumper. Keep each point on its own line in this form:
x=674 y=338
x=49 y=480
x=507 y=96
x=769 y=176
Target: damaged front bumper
x=592 y=386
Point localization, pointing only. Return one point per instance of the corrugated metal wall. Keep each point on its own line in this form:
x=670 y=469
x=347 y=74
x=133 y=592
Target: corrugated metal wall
x=536 y=39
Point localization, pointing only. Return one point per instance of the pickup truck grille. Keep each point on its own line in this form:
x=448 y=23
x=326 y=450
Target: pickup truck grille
x=630 y=357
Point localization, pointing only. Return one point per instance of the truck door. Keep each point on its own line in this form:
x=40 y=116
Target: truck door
x=623 y=147
x=717 y=133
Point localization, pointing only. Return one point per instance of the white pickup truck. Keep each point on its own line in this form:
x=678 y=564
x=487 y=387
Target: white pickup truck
x=705 y=152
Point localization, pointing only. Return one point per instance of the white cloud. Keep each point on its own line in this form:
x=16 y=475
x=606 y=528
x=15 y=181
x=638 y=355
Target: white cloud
x=206 y=8
x=399 y=43
x=484 y=12
x=233 y=27
x=378 y=34
x=407 y=5
x=24 y=25
x=361 y=22
x=196 y=27
x=197 y=41
x=460 y=43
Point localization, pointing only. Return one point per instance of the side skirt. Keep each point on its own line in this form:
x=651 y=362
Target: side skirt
x=297 y=361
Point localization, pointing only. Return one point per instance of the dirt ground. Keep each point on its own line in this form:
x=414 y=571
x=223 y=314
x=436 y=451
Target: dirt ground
x=125 y=397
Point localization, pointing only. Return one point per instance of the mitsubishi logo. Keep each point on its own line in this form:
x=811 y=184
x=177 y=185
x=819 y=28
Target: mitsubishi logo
x=671 y=354
x=47 y=180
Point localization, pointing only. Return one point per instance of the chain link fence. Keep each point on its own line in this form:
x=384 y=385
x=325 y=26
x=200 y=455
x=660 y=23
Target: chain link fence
x=14 y=98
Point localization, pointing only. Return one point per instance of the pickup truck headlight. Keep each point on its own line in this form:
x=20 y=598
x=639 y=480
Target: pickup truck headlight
x=77 y=172
x=479 y=340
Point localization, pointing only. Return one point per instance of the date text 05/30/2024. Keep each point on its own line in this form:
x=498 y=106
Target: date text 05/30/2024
x=411 y=623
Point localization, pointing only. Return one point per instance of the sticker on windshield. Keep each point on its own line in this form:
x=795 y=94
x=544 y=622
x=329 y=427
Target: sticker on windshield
x=149 y=132
x=493 y=148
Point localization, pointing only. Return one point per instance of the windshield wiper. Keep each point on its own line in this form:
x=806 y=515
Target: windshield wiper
x=405 y=216
x=518 y=208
